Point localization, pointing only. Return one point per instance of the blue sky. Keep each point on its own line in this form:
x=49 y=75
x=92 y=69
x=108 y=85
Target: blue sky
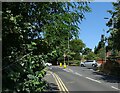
x=92 y=27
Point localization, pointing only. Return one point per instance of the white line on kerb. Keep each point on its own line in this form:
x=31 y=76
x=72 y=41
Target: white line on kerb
x=115 y=88
x=93 y=79
x=78 y=74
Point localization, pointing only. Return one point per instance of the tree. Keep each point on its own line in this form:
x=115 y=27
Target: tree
x=113 y=40
x=32 y=34
x=22 y=68
x=100 y=45
x=100 y=50
x=114 y=24
x=90 y=56
x=87 y=51
x=76 y=46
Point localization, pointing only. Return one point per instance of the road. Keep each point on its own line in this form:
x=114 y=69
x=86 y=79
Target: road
x=83 y=79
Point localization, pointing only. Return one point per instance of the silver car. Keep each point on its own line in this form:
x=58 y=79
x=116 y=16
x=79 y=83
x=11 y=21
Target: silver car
x=89 y=64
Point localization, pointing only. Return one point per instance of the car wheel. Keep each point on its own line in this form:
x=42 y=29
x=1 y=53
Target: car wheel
x=82 y=65
x=93 y=65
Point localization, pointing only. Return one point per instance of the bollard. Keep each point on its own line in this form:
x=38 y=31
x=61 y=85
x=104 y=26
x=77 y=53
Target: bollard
x=65 y=66
x=60 y=64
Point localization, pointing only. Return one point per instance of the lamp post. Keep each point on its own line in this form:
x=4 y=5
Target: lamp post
x=105 y=44
x=104 y=50
x=68 y=49
x=105 y=40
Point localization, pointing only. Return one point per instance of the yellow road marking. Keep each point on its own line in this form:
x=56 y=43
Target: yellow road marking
x=59 y=82
x=55 y=80
x=66 y=90
x=62 y=88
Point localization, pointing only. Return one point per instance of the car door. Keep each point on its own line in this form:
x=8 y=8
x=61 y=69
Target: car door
x=88 y=63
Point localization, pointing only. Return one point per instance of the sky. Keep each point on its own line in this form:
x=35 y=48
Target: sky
x=92 y=27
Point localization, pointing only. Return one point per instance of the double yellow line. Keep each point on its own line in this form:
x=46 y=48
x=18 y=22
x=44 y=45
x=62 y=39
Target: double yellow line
x=60 y=83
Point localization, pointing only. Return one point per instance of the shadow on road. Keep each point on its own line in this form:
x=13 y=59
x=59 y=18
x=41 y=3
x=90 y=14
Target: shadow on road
x=51 y=88
x=107 y=78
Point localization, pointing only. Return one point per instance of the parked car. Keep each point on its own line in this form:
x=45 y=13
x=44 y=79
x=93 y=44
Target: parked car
x=89 y=64
x=48 y=64
x=82 y=64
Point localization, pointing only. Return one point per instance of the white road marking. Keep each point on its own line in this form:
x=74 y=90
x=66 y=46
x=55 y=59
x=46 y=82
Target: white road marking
x=71 y=70
x=93 y=79
x=115 y=88
x=78 y=74
x=66 y=70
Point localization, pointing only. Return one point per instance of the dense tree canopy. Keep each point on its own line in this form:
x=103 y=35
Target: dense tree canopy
x=114 y=24
x=86 y=51
x=32 y=34
x=76 y=45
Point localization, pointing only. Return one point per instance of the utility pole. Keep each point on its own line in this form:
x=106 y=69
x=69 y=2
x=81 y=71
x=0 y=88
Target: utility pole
x=105 y=44
x=68 y=48
x=105 y=40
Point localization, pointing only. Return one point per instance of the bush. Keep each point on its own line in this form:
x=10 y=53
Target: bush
x=74 y=62
x=25 y=75
x=111 y=67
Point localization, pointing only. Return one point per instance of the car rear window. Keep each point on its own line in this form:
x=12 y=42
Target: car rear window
x=89 y=61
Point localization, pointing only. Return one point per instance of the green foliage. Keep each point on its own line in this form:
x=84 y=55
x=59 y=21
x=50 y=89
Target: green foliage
x=100 y=50
x=101 y=54
x=114 y=24
x=26 y=74
x=100 y=45
x=75 y=48
x=90 y=56
x=76 y=45
x=74 y=62
x=86 y=51
x=34 y=33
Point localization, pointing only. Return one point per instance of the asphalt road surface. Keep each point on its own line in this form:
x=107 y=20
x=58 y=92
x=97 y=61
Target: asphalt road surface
x=83 y=79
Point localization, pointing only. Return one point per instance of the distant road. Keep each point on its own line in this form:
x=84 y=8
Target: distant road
x=83 y=79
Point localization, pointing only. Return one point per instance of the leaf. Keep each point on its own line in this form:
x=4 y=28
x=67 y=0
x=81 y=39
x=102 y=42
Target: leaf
x=30 y=76
x=33 y=43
